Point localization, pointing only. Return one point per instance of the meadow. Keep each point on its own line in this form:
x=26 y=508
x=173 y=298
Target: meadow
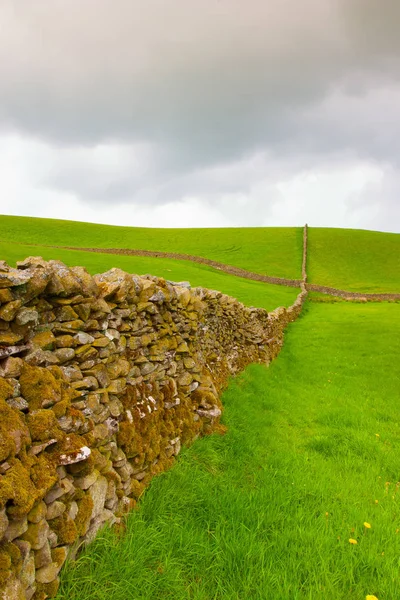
x=251 y=293
x=270 y=251
x=298 y=501
x=354 y=260
x=348 y=259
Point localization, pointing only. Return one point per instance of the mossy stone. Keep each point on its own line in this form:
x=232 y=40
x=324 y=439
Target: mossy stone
x=39 y=385
x=43 y=425
x=65 y=529
x=16 y=486
x=14 y=434
x=44 y=340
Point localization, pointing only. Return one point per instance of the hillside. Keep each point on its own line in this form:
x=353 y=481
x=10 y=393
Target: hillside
x=354 y=259
x=269 y=251
x=251 y=293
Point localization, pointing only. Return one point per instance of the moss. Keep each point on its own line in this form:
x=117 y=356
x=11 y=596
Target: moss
x=129 y=439
x=45 y=340
x=65 y=529
x=43 y=425
x=137 y=488
x=43 y=474
x=47 y=590
x=38 y=384
x=83 y=468
x=6 y=390
x=85 y=508
x=14 y=434
x=5 y=563
x=58 y=556
x=15 y=555
x=16 y=486
x=60 y=408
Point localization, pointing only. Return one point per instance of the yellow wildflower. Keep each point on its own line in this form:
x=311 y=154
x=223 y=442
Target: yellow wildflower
x=370 y=597
x=353 y=541
x=367 y=525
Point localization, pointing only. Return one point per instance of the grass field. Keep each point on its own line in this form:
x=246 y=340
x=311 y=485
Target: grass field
x=267 y=511
x=251 y=293
x=354 y=260
x=275 y=251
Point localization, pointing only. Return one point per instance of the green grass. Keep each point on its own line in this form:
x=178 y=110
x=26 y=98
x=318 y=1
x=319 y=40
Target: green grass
x=251 y=293
x=354 y=260
x=266 y=511
x=275 y=251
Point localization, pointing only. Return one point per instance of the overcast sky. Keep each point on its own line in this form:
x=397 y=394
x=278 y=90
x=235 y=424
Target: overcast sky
x=201 y=112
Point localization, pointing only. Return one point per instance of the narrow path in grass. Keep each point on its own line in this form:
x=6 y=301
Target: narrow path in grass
x=310 y=460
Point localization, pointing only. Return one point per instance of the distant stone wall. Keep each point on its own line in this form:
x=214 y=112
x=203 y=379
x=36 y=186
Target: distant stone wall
x=102 y=380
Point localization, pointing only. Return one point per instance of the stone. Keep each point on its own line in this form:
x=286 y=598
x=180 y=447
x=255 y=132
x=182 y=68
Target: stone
x=5 y=295
x=117 y=386
x=74 y=456
x=83 y=338
x=65 y=354
x=43 y=556
x=185 y=379
x=36 y=449
x=115 y=407
x=37 y=513
x=63 y=487
x=12 y=367
x=27 y=315
x=189 y=362
x=147 y=368
x=72 y=373
x=41 y=357
x=44 y=340
x=55 y=509
x=52 y=539
x=27 y=573
x=73 y=510
x=9 y=310
x=18 y=403
x=213 y=413
x=83 y=483
x=3 y=522
x=98 y=492
x=101 y=432
x=36 y=534
x=66 y=313
x=15 y=529
x=8 y=338
x=101 y=342
x=48 y=573
x=13 y=590
x=182 y=347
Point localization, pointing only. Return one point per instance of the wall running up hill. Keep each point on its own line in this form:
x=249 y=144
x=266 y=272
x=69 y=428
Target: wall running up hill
x=102 y=380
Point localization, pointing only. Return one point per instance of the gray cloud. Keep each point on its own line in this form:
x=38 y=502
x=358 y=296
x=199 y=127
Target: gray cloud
x=150 y=102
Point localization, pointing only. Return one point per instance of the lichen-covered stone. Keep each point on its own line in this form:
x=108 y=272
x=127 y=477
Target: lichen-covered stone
x=39 y=385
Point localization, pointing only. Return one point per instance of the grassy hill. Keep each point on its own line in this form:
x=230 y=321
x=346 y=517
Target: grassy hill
x=251 y=293
x=354 y=259
x=275 y=251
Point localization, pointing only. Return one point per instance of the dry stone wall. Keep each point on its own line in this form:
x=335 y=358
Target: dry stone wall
x=102 y=380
